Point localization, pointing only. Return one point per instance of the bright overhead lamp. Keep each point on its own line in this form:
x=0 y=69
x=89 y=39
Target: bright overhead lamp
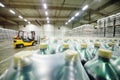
x=85 y=7
x=46 y=13
x=25 y=20
x=29 y=22
x=2 y=5
x=48 y=21
x=20 y=17
x=13 y=12
x=45 y=6
x=69 y=20
x=77 y=14
x=72 y=18
x=66 y=23
x=47 y=18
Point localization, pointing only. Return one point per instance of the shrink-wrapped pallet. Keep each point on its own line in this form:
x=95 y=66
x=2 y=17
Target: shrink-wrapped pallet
x=117 y=19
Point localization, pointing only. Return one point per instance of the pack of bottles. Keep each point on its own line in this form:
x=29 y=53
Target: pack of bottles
x=46 y=49
x=22 y=68
x=63 y=47
x=84 y=53
x=72 y=68
x=100 y=68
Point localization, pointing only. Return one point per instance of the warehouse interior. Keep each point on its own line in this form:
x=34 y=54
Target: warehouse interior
x=44 y=39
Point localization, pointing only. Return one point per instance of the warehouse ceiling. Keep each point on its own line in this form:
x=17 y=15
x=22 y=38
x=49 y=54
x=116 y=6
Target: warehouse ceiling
x=59 y=11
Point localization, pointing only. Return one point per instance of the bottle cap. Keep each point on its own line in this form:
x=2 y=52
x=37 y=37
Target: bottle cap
x=21 y=59
x=43 y=45
x=104 y=53
x=97 y=44
x=65 y=45
x=111 y=44
x=83 y=45
x=70 y=54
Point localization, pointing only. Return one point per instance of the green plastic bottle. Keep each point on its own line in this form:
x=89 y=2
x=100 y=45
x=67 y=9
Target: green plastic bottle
x=111 y=46
x=116 y=65
x=101 y=68
x=96 y=47
x=63 y=47
x=45 y=49
x=84 y=53
x=72 y=69
x=21 y=70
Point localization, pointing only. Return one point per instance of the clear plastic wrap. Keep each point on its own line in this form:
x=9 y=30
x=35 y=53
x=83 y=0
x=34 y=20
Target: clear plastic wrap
x=116 y=65
x=101 y=23
x=72 y=69
x=110 y=20
x=100 y=68
x=117 y=16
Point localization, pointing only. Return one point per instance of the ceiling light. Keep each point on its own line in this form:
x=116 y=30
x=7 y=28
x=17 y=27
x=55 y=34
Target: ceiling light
x=47 y=18
x=20 y=17
x=45 y=6
x=85 y=7
x=29 y=22
x=66 y=23
x=46 y=13
x=25 y=20
x=69 y=20
x=72 y=18
x=12 y=11
x=48 y=21
x=1 y=5
x=77 y=14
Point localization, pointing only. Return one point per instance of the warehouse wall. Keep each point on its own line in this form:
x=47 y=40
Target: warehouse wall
x=47 y=30
x=56 y=31
x=1 y=26
x=13 y=27
x=60 y=30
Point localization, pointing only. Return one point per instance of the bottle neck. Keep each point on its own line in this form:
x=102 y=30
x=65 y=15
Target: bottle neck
x=103 y=59
x=83 y=48
x=97 y=47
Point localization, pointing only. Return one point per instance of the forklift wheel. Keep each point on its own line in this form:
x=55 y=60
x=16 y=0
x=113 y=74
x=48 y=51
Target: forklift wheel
x=21 y=45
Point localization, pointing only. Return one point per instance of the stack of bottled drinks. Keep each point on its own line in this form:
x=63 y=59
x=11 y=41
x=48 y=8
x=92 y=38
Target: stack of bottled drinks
x=68 y=59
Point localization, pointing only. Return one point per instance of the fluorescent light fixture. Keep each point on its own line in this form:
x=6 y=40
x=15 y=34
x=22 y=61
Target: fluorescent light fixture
x=85 y=7
x=13 y=12
x=20 y=17
x=45 y=6
x=66 y=23
x=77 y=14
x=48 y=21
x=72 y=18
x=69 y=20
x=2 y=5
x=29 y=22
x=46 y=13
x=47 y=18
x=25 y=20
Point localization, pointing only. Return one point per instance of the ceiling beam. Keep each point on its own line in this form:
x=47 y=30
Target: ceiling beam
x=38 y=22
x=42 y=19
x=7 y=20
x=38 y=6
x=32 y=18
x=110 y=2
x=99 y=13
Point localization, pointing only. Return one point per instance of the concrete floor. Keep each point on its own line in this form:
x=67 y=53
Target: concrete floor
x=7 y=51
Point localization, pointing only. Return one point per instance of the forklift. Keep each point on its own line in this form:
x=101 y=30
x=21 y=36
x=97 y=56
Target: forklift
x=24 y=39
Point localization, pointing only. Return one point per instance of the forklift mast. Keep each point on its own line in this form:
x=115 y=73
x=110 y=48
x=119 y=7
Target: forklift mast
x=24 y=35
